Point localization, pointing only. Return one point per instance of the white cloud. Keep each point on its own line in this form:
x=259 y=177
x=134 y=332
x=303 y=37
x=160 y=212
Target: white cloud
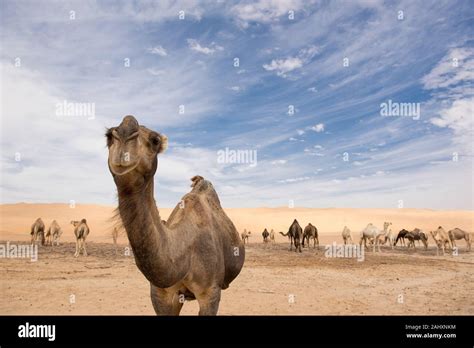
x=156 y=72
x=235 y=88
x=283 y=66
x=318 y=128
x=312 y=89
x=457 y=66
x=286 y=65
x=196 y=46
x=279 y=162
x=460 y=118
x=264 y=11
x=291 y=180
x=300 y=131
x=159 y=50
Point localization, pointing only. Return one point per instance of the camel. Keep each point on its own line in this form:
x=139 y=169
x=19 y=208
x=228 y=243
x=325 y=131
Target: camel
x=418 y=235
x=265 y=235
x=81 y=231
x=37 y=230
x=457 y=234
x=198 y=252
x=53 y=234
x=389 y=237
x=245 y=236
x=441 y=238
x=295 y=234
x=371 y=232
x=311 y=231
x=272 y=236
x=347 y=236
x=401 y=237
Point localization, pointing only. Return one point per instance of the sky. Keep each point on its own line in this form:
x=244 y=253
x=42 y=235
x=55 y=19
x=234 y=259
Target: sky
x=298 y=84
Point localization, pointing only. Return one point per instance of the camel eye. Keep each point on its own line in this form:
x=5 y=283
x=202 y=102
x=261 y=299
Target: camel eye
x=155 y=139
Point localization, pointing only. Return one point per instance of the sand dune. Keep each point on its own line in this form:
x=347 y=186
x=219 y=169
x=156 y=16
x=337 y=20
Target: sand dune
x=16 y=219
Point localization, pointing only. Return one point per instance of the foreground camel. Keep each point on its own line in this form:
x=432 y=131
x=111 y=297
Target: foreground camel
x=37 y=230
x=265 y=235
x=198 y=252
x=347 y=236
x=457 y=234
x=53 y=234
x=81 y=231
x=245 y=236
x=441 y=238
x=309 y=232
x=295 y=234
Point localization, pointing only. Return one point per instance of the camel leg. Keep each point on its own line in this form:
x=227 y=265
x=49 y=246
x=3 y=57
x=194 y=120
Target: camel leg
x=209 y=301
x=84 y=247
x=76 y=254
x=165 y=302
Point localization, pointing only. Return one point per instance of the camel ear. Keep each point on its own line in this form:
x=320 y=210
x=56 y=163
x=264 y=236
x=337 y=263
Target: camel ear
x=164 y=143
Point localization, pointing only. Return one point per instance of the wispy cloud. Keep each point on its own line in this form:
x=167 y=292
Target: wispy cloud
x=180 y=64
x=159 y=50
x=196 y=46
x=318 y=128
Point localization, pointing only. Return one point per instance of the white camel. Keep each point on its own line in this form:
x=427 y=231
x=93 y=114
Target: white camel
x=272 y=236
x=389 y=236
x=347 y=236
x=371 y=232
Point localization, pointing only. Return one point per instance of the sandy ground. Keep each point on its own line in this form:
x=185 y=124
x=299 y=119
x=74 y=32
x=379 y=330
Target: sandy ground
x=273 y=280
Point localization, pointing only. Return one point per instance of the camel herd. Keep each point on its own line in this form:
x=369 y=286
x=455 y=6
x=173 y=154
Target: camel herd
x=52 y=235
x=371 y=235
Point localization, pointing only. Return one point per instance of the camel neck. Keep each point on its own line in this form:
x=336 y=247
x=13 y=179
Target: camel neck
x=145 y=231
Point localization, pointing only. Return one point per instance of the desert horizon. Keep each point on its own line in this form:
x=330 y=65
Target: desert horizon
x=16 y=219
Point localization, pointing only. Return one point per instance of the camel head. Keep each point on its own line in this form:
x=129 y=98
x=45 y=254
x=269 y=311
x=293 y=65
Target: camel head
x=133 y=152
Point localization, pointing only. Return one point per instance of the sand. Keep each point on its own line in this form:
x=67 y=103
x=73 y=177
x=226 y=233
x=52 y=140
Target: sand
x=274 y=281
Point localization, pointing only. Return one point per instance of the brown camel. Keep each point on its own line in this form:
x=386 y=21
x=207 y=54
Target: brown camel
x=311 y=231
x=37 y=230
x=414 y=235
x=81 y=231
x=53 y=234
x=265 y=235
x=457 y=234
x=198 y=252
x=295 y=234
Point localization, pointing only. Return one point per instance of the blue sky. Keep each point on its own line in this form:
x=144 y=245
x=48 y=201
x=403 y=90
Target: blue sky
x=426 y=57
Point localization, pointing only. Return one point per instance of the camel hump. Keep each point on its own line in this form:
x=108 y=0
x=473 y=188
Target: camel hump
x=196 y=180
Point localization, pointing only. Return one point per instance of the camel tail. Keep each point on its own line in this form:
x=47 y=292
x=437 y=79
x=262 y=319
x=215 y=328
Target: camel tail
x=283 y=234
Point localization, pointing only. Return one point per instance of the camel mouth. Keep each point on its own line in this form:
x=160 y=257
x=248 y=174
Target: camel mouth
x=121 y=170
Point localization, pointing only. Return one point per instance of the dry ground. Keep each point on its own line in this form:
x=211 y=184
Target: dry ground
x=104 y=283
